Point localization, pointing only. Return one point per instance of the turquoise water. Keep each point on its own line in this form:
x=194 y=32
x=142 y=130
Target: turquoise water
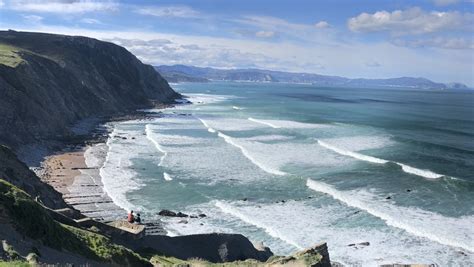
x=296 y=165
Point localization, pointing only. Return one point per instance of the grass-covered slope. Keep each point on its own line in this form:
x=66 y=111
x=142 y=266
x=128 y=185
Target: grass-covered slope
x=16 y=172
x=31 y=220
x=9 y=56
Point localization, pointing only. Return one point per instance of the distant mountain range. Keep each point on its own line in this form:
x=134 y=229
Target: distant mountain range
x=184 y=73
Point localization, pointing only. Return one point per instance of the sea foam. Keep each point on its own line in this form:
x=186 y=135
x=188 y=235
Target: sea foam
x=408 y=169
x=167 y=177
x=227 y=208
x=352 y=154
x=288 y=124
x=415 y=221
x=264 y=123
x=116 y=173
x=233 y=142
x=149 y=133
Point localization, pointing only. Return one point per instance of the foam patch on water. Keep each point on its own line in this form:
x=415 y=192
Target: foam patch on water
x=261 y=165
x=167 y=177
x=236 y=108
x=118 y=176
x=358 y=143
x=297 y=224
x=270 y=138
x=351 y=154
x=423 y=173
x=288 y=124
x=94 y=156
x=455 y=232
x=149 y=136
x=273 y=157
x=408 y=169
x=202 y=157
x=201 y=99
x=229 y=124
x=274 y=232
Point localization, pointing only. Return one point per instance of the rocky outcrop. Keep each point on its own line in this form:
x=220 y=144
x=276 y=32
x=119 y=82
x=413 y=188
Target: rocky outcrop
x=48 y=82
x=316 y=256
x=17 y=173
x=210 y=247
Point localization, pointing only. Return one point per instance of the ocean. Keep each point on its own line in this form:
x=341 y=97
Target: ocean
x=294 y=165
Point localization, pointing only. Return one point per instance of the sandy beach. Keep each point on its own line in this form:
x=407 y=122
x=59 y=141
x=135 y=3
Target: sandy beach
x=76 y=175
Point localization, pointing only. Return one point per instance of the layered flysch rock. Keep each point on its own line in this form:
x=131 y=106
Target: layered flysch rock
x=48 y=82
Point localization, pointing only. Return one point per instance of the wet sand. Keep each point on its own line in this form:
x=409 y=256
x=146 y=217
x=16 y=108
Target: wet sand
x=80 y=184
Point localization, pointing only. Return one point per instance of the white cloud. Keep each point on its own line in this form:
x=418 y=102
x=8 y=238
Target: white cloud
x=90 y=21
x=1 y=3
x=169 y=11
x=438 y=42
x=265 y=34
x=286 y=30
x=33 y=18
x=343 y=59
x=270 y=23
x=62 y=7
x=411 y=21
x=322 y=24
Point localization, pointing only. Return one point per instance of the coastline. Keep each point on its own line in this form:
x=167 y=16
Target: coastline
x=74 y=171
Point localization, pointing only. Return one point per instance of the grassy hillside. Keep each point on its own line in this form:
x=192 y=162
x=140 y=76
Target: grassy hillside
x=9 y=55
x=32 y=220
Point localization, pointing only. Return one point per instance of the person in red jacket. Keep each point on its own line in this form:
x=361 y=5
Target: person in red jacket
x=131 y=217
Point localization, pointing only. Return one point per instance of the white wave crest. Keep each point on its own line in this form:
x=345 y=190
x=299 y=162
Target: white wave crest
x=149 y=134
x=419 y=172
x=232 y=142
x=408 y=169
x=352 y=154
x=227 y=208
x=167 y=177
x=418 y=222
x=288 y=124
x=116 y=175
x=264 y=123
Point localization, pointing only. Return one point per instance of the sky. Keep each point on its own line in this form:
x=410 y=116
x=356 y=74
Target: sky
x=357 y=39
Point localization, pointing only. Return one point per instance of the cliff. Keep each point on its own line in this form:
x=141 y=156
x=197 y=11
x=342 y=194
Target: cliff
x=48 y=82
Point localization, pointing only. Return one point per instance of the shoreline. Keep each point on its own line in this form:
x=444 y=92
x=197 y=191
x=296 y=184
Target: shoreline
x=74 y=171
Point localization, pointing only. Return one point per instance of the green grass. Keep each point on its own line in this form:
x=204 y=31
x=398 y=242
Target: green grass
x=32 y=220
x=14 y=264
x=9 y=55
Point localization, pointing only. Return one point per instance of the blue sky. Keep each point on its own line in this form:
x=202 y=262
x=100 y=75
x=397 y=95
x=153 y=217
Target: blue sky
x=371 y=39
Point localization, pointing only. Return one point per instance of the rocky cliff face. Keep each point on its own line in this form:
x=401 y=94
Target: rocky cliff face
x=48 y=82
